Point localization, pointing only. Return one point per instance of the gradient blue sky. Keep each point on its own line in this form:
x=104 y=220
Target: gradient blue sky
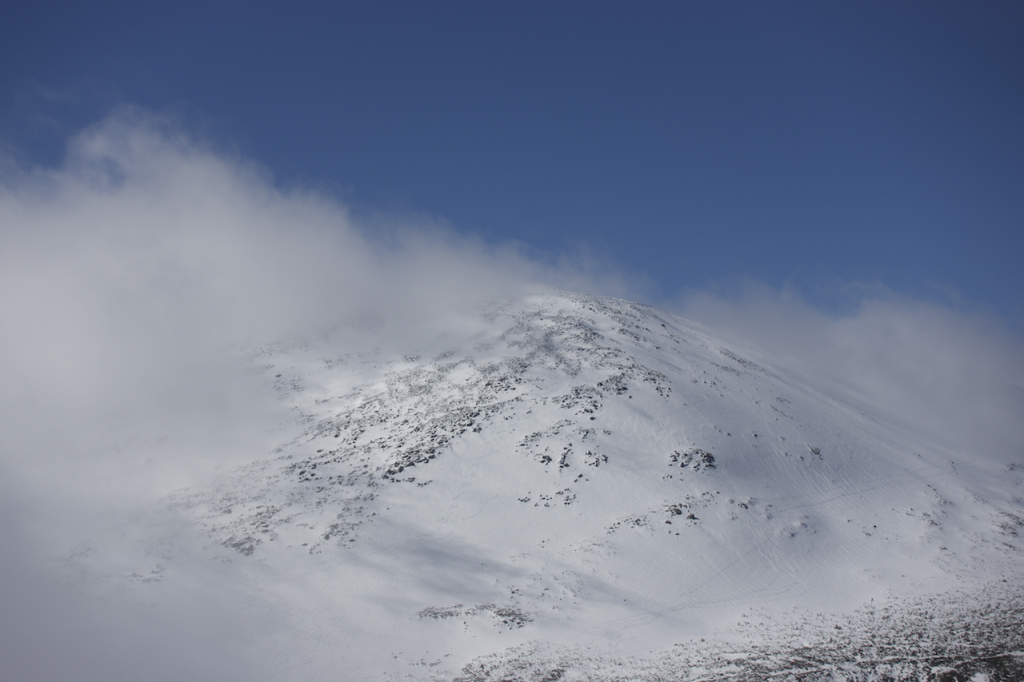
x=823 y=146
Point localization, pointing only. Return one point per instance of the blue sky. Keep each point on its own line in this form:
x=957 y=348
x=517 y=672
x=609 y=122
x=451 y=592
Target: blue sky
x=824 y=147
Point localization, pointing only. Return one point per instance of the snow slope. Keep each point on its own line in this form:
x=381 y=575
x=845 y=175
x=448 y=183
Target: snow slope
x=564 y=473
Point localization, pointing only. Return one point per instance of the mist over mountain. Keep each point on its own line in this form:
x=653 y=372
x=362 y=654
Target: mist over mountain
x=583 y=472
x=247 y=436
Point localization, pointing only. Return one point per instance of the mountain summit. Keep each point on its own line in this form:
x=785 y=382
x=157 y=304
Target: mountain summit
x=586 y=485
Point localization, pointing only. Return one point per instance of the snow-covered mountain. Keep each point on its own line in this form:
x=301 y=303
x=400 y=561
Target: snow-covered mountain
x=572 y=487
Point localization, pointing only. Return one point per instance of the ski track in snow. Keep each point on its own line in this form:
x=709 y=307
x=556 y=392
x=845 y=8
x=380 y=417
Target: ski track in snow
x=574 y=483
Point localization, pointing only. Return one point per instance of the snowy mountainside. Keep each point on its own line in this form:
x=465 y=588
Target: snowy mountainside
x=583 y=472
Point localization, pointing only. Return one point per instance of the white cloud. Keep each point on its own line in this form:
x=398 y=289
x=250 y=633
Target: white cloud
x=127 y=277
x=54 y=631
x=954 y=377
x=127 y=273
